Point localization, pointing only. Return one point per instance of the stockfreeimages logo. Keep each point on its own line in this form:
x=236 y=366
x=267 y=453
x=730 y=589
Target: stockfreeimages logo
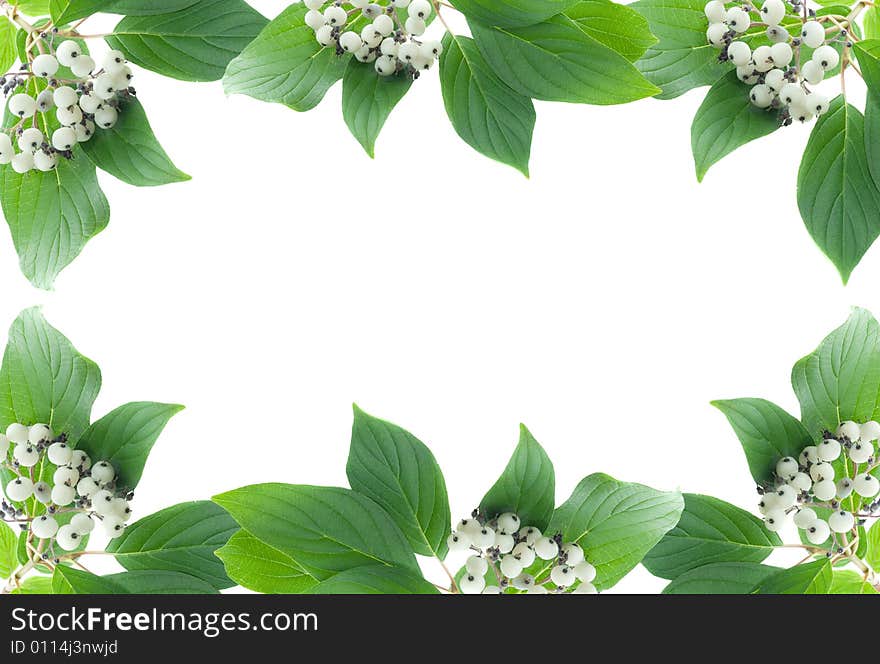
x=210 y=625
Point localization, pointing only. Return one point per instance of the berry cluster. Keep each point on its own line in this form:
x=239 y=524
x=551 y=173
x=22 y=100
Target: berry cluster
x=374 y=32
x=79 y=494
x=780 y=74
x=508 y=548
x=809 y=481
x=92 y=98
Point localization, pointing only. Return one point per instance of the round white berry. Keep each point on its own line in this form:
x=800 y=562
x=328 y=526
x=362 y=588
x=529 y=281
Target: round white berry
x=763 y=59
x=63 y=495
x=860 y=452
x=408 y=51
x=90 y=104
x=44 y=66
x=102 y=503
x=504 y=543
x=80 y=460
x=824 y=470
x=30 y=140
x=829 y=449
x=562 y=576
x=39 y=433
x=715 y=11
x=747 y=74
x=44 y=527
x=420 y=9
x=817 y=103
x=775 y=79
x=773 y=11
x=60 y=453
x=366 y=54
x=19 y=489
x=716 y=33
x=787 y=497
x=866 y=485
x=825 y=489
x=315 y=19
x=800 y=113
x=809 y=455
x=45 y=161
x=769 y=502
x=761 y=95
x=64 y=139
x=484 y=537
x=812 y=72
x=22 y=105
x=7 y=152
x=113 y=526
x=491 y=590
x=841 y=521
x=787 y=467
x=84 y=131
x=43 y=492
x=23 y=162
x=469 y=526
x=472 y=585
x=65 y=97
x=523 y=582
x=389 y=47
x=113 y=62
x=869 y=431
x=827 y=57
x=813 y=34
x=335 y=16
x=106 y=117
x=524 y=553
x=781 y=54
x=26 y=455
x=739 y=53
x=105 y=87
x=314 y=4
x=546 y=548
x=844 y=487
x=83 y=66
x=69 y=116
x=103 y=472
x=849 y=429
x=508 y=523
x=87 y=487
x=431 y=48
x=777 y=34
x=350 y=41
x=67 y=52
x=325 y=35
x=585 y=589
x=477 y=565
x=386 y=65
x=572 y=553
x=384 y=24
x=818 y=532
x=66 y=475
x=530 y=534
x=67 y=538
x=415 y=26
x=801 y=482
x=458 y=541
x=805 y=518
x=738 y=19
x=584 y=571
x=82 y=523
x=511 y=567
x=774 y=520
x=370 y=36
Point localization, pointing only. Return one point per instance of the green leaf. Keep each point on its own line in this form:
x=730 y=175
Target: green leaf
x=325 y=530
x=682 y=59
x=720 y=579
x=557 y=61
x=285 y=64
x=486 y=113
x=125 y=437
x=616 y=523
x=767 y=433
x=375 y=580
x=396 y=470
x=35 y=585
x=8 y=551
x=512 y=13
x=710 y=531
x=45 y=379
x=871 y=23
x=193 y=44
x=368 y=99
x=848 y=582
x=872 y=555
x=146 y=7
x=617 y=26
x=66 y=11
x=130 y=151
x=527 y=486
x=33 y=7
x=840 y=380
x=8 y=49
x=725 y=121
x=182 y=538
x=160 y=582
x=808 y=579
x=67 y=581
x=52 y=216
x=837 y=196
x=872 y=136
x=868 y=54
x=256 y=566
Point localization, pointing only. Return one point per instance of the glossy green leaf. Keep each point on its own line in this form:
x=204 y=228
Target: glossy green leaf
x=725 y=121
x=557 y=61
x=397 y=471
x=616 y=523
x=33 y=7
x=867 y=52
x=840 y=380
x=767 y=433
x=8 y=551
x=125 y=437
x=8 y=50
x=67 y=11
x=837 y=196
x=45 y=379
x=368 y=99
x=720 y=579
x=193 y=44
x=710 y=531
x=160 y=582
x=182 y=538
x=325 y=530
x=68 y=581
x=871 y=23
x=484 y=111
x=809 y=579
x=512 y=13
x=527 y=485
x=285 y=64
x=849 y=582
x=256 y=566
x=35 y=585
x=872 y=554
x=617 y=26
x=131 y=152
x=147 y=7
x=375 y=580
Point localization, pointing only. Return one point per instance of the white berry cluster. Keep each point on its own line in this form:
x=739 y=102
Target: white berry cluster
x=91 y=99
x=809 y=481
x=508 y=548
x=374 y=32
x=79 y=494
x=781 y=76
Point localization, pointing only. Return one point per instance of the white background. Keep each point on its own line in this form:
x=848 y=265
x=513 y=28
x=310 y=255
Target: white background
x=604 y=302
